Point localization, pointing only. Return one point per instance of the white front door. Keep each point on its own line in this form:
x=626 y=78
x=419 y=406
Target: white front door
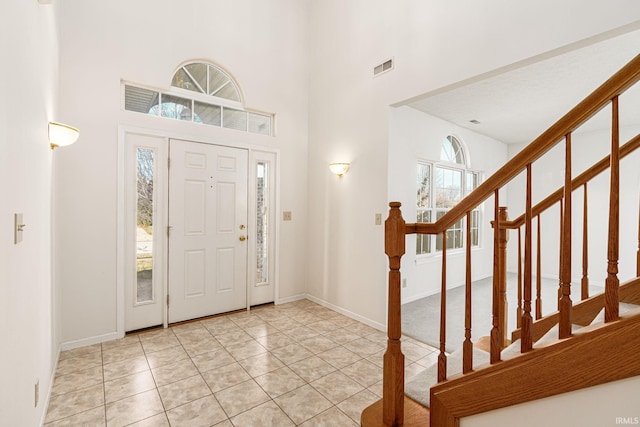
x=208 y=229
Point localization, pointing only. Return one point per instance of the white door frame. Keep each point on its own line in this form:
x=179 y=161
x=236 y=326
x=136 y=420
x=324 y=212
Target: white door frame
x=121 y=223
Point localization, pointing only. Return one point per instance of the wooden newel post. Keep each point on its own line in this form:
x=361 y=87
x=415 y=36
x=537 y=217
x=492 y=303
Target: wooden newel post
x=393 y=370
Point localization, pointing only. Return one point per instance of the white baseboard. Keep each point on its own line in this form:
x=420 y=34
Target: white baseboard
x=291 y=299
x=352 y=315
x=70 y=345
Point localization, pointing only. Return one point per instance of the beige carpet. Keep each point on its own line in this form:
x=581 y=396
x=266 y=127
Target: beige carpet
x=421 y=318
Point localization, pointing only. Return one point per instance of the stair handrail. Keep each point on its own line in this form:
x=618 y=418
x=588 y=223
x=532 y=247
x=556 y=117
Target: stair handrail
x=577 y=182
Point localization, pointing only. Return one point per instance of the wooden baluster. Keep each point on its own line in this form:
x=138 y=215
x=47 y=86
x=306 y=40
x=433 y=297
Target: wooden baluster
x=565 y=304
x=560 y=257
x=538 y=272
x=611 y=291
x=504 y=305
x=585 y=247
x=393 y=367
x=467 y=346
x=519 y=309
x=496 y=334
x=526 y=342
x=442 y=357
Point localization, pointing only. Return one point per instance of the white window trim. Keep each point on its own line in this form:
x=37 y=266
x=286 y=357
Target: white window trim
x=422 y=258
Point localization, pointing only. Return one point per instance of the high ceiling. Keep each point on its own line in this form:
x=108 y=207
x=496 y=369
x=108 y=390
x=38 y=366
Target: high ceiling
x=517 y=105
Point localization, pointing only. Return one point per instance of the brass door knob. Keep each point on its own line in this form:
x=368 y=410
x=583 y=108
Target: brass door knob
x=243 y=238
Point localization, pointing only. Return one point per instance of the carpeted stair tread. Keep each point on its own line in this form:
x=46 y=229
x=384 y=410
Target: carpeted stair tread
x=624 y=307
x=511 y=351
x=419 y=387
x=552 y=335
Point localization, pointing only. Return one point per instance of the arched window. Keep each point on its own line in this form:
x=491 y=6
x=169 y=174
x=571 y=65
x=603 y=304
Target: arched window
x=207 y=79
x=200 y=93
x=441 y=185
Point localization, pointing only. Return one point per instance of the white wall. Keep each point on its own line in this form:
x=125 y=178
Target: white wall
x=588 y=147
x=28 y=333
x=434 y=44
x=262 y=44
x=611 y=404
x=415 y=135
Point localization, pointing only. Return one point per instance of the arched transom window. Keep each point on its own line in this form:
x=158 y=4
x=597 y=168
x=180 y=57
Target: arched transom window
x=200 y=93
x=441 y=185
x=207 y=79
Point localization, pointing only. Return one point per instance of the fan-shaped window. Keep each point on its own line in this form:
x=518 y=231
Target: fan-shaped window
x=215 y=100
x=207 y=79
x=451 y=151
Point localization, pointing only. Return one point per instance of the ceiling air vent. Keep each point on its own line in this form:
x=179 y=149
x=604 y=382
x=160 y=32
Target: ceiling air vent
x=383 y=68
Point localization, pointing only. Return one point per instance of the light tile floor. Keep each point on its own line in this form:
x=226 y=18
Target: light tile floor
x=295 y=364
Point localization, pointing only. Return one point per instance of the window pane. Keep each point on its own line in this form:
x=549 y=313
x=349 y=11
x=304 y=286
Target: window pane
x=259 y=123
x=199 y=73
x=139 y=99
x=229 y=91
x=448 y=187
x=451 y=150
x=423 y=241
x=217 y=79
x=234 y=119
x=475 y=235
x=175 y=107
x=262 y=223
x=207 y=113
x=144 y=225
x=454 y=234
x=424 y=186
x=473 y=179
x=183 y=81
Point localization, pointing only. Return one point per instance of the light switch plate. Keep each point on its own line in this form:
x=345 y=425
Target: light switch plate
x=17 y=228
x=378 y=219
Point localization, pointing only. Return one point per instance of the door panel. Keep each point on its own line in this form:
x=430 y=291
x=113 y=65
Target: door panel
x=208 y=217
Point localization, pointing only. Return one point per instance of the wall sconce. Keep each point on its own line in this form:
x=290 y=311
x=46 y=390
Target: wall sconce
x=61 y=134
x=339 y=168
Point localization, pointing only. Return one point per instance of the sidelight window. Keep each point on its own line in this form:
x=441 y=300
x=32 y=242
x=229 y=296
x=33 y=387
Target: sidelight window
x=263 y=213
x=144 y=224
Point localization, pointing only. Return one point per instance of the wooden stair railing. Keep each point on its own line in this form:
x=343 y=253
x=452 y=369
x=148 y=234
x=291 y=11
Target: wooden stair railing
x=396 y=230
x=605 y=352
x=583 y=311
x=558 y=196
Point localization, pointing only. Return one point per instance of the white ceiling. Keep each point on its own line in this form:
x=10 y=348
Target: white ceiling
x=518 y=105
